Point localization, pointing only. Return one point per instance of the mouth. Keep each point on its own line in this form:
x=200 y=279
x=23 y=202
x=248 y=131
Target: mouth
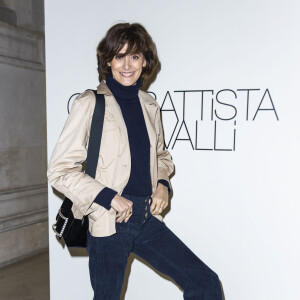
x=127 y=74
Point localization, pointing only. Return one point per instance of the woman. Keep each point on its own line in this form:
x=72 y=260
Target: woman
x=132 y=182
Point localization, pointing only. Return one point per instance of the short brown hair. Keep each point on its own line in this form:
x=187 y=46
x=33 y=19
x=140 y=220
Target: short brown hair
x=138 y=41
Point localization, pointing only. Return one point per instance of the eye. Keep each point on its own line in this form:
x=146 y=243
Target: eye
x=135 y=56
x=118 y=56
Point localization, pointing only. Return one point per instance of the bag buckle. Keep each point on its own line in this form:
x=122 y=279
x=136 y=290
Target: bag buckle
x=59 y=234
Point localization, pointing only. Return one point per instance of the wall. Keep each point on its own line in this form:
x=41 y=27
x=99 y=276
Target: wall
x=23 y=181
x=228 y=91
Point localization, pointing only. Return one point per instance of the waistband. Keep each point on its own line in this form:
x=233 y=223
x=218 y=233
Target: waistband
x=137 y=199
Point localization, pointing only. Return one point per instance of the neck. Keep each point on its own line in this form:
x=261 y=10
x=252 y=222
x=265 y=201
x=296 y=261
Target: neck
x=121 y=91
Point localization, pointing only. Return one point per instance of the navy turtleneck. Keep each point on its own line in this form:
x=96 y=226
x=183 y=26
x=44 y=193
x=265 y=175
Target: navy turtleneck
x=139 y=183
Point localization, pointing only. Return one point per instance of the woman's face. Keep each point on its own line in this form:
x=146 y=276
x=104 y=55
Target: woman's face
x=127 y=70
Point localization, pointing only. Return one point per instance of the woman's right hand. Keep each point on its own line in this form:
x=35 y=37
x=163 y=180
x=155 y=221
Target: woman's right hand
x=123 y=206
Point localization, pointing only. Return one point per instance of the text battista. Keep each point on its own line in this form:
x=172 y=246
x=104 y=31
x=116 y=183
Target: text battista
x=211 y=112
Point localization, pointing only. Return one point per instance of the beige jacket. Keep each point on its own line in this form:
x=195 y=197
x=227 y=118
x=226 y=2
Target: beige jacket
x=113 y=170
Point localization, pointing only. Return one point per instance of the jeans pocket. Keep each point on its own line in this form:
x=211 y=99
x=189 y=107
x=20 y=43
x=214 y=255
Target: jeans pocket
x=122 y=230
x=159 y=218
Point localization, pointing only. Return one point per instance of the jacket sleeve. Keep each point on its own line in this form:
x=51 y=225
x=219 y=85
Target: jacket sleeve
x=64 y=170
x=165 y=163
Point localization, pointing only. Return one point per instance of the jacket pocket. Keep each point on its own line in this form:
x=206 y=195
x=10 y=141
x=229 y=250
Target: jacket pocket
x=95 y=211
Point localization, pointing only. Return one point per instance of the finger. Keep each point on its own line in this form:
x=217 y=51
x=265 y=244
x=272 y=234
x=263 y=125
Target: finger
x=156 y=209
x=161 y=208
x=128 y=217
x=120 y=219
x=121 y=216
x=152 y=207
x=164 y=204
x=125 y=214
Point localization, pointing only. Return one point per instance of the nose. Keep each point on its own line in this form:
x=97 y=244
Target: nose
x=126 y=63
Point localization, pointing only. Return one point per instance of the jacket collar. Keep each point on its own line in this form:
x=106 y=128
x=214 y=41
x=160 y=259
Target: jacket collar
x=148 y=104
x=102 y=88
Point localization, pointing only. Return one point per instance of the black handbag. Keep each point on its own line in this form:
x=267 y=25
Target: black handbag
x=74 y=231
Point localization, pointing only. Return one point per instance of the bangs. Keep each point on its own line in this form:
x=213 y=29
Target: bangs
x=134 y=45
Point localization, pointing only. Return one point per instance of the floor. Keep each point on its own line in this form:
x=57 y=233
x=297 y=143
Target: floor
x=26 y=280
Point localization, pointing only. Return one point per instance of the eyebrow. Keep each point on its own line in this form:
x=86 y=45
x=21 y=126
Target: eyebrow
x=133 y=53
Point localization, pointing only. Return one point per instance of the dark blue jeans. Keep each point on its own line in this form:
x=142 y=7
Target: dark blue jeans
x=154 y=242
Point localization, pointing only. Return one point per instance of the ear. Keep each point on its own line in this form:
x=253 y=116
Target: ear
x=144 y=63
x=108 y=64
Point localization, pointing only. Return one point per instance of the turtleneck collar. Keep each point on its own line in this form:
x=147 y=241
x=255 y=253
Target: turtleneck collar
x=121 y=91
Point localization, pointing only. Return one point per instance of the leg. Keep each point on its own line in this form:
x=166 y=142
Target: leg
x=107 y=263
x=159 y=246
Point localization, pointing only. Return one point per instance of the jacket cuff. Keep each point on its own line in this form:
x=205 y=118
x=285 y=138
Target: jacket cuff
x=165 y=183
x=105 y=196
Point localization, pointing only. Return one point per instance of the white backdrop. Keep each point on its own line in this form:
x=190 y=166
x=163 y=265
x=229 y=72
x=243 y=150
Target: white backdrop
x=235 y=204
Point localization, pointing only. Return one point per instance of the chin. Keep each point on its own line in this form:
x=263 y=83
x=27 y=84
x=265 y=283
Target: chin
x=127 y=82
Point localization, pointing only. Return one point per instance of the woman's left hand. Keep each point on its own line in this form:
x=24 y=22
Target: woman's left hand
x=160 y=199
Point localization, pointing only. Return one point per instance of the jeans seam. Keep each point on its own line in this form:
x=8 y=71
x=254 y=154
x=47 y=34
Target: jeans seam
x=211 y=276
x=166 y=259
